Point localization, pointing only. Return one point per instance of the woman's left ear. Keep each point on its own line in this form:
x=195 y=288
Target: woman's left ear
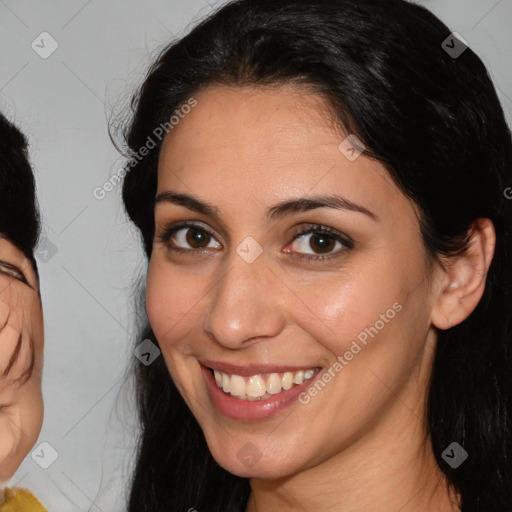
x=465 y=277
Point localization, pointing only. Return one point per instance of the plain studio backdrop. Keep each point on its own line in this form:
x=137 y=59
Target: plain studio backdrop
x=66 y=69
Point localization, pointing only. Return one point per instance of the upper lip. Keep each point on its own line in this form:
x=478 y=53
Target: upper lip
x=251 y=369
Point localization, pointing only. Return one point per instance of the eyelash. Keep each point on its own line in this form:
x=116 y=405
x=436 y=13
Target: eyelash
x=11 y=270
x=346 y=241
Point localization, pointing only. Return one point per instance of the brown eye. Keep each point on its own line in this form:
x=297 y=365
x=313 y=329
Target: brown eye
x=324 y=243
x=196 y=238
x=187 y=237
x=323 y=240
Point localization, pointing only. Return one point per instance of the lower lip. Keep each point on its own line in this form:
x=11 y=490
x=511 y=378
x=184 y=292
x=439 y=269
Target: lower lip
x=247 y=410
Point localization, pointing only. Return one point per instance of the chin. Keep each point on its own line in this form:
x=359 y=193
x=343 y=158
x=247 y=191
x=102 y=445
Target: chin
x=260 y=469
x=246 y=458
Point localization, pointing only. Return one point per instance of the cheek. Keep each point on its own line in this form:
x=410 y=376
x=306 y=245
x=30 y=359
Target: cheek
x=32 y=415
x=20 y=425
x=159 y=298
x=9 y=440
x=173 y=301
x=341 y=308
x=377 y=324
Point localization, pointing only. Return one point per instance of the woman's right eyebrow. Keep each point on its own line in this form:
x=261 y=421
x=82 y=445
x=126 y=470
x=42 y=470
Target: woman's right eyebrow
x=187 y=201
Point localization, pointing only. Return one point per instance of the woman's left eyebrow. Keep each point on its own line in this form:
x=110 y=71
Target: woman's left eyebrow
x=303 y=204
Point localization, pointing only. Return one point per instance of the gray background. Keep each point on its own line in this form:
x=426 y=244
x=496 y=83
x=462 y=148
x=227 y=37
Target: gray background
x=63 y=103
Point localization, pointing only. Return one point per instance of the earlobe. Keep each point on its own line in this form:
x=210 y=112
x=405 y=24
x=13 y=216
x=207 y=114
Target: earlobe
x=465 y=277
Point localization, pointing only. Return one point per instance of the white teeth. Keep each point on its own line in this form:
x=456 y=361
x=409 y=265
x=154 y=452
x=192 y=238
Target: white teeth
x=273 y=384
x=257 y=387
x=308 y=374
x=237 y=385
x=287 y=380
x=225 y=383
x=299 y=377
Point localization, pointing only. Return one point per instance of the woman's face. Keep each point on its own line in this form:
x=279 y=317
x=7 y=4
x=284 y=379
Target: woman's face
x=21 y=323
x=240 y=299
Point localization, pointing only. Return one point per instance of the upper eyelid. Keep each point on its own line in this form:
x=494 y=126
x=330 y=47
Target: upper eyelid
x=9 y=269
x=178 y=226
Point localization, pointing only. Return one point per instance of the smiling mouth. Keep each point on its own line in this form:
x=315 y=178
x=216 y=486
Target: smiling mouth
x=261 y=386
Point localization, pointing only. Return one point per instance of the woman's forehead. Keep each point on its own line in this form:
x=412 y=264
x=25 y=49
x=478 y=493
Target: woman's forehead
x=284 y=117
x=256 y=146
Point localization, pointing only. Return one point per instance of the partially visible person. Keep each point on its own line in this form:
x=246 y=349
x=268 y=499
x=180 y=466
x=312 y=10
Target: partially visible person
x=21 y=318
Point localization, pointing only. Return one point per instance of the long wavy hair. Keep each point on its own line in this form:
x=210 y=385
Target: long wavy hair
x=436 y=124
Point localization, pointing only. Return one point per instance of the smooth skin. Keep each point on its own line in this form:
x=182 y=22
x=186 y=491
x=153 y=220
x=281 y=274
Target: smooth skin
x=360 y=444
x=21 y=403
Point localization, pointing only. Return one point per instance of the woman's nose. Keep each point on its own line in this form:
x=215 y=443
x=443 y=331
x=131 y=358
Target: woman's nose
x=248 y=303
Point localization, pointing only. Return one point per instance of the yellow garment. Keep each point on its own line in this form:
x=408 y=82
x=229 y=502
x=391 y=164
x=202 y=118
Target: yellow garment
x=18 y=499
